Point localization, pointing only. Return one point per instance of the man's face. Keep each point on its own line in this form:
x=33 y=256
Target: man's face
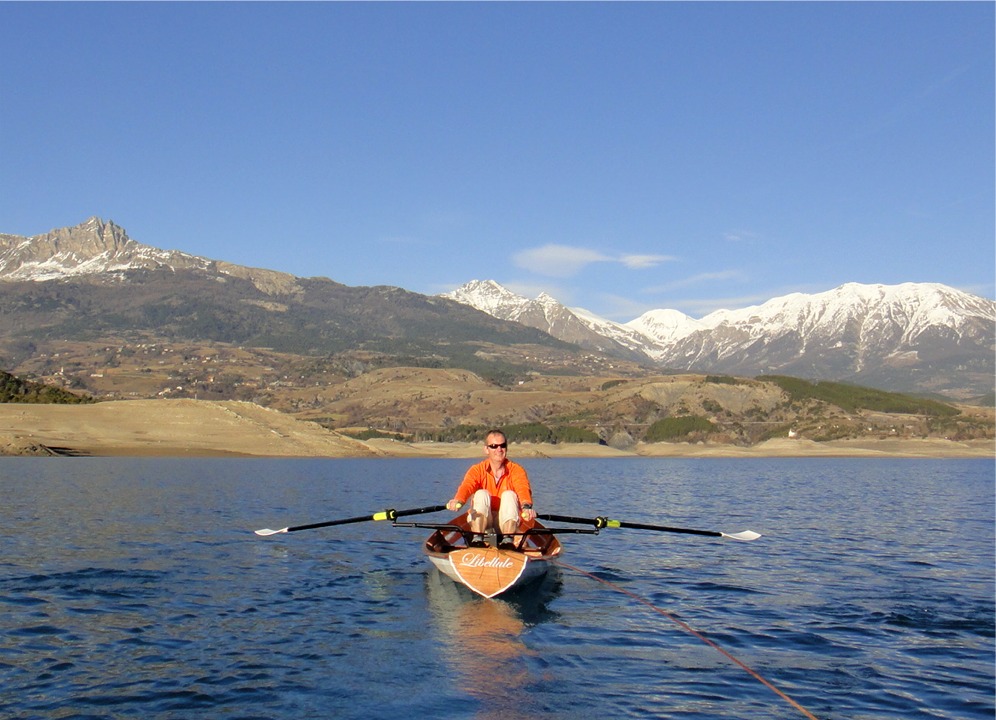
x=496 y=446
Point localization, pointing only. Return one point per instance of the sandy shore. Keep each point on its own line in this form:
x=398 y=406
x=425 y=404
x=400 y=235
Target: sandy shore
x=198 y=428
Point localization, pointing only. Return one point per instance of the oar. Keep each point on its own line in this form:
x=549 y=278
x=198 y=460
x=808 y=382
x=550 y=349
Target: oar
x=385 y=515
x=604 y=522
x=530 y=531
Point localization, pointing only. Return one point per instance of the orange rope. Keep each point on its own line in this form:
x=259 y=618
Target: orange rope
x=689 y=629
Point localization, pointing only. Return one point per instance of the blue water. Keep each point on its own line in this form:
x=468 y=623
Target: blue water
x=136 y=588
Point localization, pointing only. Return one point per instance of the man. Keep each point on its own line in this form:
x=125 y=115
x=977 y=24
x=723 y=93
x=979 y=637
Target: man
x=498 y=489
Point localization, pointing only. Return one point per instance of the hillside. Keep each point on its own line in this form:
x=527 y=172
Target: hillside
x=409 y=407
x=16 y=390
x=874 y=426
x=421 y=404
x=93 y=282
x=166 y=427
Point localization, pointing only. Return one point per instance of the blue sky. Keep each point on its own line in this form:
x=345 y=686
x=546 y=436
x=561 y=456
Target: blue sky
x=620 y=156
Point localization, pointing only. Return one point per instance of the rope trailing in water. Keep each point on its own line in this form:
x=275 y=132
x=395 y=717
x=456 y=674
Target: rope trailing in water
x=689 y=629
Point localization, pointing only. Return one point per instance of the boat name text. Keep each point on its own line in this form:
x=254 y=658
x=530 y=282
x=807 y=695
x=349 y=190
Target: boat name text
x=482 y=561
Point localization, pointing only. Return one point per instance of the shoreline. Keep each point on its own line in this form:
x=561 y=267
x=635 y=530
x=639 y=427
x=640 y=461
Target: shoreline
x=779 y=448
x=199 y=428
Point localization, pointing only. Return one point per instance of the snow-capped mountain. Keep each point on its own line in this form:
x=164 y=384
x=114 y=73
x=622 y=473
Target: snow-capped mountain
x=870 y=318
x=664 y=327
x=628 y=337
x=91 y=248
x=546 y=314
x=99 y=249
x=903 y=337
x=907 y=337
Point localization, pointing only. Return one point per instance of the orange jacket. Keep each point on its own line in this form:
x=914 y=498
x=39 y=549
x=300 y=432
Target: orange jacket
x=481 y=477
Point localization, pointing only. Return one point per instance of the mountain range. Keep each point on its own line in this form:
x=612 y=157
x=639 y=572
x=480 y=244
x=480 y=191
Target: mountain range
x=913 y=337
x=92 y=279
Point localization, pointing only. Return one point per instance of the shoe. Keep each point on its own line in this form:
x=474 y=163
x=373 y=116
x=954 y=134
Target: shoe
x=477 y=542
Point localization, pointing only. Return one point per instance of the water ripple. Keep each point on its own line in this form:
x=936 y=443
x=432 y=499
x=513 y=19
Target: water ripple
x=135 y=589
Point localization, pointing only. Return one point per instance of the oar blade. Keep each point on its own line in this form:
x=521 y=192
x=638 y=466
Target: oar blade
x=746 y=535
x=266 y=531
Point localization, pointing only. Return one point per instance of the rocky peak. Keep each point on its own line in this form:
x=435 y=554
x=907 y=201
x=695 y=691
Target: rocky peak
x=91 y=247
x=94 y=235
x=86 y=240
x=96 y=248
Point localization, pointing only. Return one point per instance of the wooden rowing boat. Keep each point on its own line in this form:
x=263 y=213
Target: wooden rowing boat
x=492 y=569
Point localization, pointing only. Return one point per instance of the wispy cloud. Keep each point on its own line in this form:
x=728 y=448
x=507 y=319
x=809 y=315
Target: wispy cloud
x=699 y=279
x=642 y=262
x=907 y=106
x=565 y=260
x=557 y=260
x=739 y=236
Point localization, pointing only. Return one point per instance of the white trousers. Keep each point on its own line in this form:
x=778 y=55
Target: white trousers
x=482 y=517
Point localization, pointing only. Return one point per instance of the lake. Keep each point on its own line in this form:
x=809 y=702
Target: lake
x=136 y=588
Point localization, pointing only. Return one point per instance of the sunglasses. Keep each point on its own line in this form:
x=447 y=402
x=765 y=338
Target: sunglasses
x=503 y=446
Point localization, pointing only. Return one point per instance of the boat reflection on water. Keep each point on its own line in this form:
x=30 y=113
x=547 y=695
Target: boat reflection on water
x=482 y=639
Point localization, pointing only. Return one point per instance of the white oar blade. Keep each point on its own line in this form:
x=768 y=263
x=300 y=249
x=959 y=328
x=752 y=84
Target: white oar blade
x=267 y=531
x=746 y=535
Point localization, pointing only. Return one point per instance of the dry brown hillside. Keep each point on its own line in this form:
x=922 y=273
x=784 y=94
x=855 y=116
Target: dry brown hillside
x=617 y=403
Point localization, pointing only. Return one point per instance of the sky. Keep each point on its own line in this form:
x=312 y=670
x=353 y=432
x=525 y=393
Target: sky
x=621 y=157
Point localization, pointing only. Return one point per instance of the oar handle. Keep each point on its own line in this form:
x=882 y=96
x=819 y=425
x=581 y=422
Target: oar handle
x=599 y=522
x=414 y=511
x=530 y=531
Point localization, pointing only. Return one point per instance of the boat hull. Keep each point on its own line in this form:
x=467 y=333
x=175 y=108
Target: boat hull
x=490 y=571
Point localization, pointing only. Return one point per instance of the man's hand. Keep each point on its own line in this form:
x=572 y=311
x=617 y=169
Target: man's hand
x=454 y=505
x=528 y=514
